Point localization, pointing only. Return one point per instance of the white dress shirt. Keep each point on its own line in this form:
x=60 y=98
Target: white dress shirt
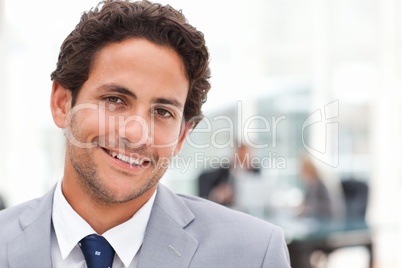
x=69 y=228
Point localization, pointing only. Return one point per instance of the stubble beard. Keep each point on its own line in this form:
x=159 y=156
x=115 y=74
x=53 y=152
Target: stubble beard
x=96 y=187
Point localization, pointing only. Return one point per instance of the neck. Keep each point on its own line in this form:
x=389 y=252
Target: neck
x=101 y=217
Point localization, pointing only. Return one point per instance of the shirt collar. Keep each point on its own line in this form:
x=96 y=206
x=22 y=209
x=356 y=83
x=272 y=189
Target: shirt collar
x=70 y=228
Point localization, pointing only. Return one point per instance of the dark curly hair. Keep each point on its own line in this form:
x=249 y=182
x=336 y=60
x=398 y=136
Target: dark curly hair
x=113 y=21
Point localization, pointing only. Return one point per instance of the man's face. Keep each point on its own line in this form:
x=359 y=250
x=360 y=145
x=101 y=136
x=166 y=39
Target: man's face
x=127 y=121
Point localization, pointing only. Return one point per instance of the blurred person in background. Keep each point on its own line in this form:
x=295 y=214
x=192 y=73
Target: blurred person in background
x=125 y=67
x=317 y=201
x=218 y=184
x=316 y=213
x=2 y=203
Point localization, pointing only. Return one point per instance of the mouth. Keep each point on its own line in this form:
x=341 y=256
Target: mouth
x=132 y=159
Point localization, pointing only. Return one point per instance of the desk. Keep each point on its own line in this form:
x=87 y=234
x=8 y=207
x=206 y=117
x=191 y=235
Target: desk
x=304 y=236
x=350 y=235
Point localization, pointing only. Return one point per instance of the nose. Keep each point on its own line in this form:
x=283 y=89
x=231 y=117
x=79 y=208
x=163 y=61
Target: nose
x=136 y=130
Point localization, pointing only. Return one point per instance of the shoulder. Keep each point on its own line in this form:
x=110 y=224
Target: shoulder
x=15 y=211
x=16 y=218
x=202 y=212
x=235 y=234
x=9 y=217
x=11 y=227
x=209 y=212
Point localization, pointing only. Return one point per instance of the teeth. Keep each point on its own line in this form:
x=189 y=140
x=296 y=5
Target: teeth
x=125 y=158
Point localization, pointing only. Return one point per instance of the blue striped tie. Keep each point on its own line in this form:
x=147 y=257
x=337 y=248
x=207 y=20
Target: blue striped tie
x=97 y=251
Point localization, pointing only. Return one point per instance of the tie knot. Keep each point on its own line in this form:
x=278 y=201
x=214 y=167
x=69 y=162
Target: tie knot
x=98 y=253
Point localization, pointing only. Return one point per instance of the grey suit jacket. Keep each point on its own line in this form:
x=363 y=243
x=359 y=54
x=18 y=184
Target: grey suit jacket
x=183 y=231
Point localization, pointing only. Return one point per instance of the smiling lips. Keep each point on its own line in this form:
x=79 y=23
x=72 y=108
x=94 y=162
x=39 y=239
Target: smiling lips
x=129 y=159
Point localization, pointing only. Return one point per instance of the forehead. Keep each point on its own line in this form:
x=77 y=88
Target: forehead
x=132 y=50
x=138 y=64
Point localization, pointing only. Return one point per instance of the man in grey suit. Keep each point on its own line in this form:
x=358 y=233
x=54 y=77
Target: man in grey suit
x=128 y=87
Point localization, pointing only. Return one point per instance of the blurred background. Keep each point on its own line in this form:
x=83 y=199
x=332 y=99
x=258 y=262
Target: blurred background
x=316 y=78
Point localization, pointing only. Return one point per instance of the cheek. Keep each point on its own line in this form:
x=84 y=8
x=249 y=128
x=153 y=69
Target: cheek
x=166 y=137
x=87 y=123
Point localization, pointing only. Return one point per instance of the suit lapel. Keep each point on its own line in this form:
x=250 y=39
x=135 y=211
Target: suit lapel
x=166 y=242
x=31 y=247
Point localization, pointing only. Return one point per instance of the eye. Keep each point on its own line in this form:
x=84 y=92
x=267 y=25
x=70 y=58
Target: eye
x=114 y=99
x=163 y=112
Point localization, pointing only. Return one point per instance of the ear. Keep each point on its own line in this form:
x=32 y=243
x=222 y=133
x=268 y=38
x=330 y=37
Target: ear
x=183 y=134
x=60 y=104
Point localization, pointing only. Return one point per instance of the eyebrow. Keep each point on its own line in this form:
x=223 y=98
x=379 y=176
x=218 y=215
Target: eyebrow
x=118 y=89
x=168 y=101
x=157 y=100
